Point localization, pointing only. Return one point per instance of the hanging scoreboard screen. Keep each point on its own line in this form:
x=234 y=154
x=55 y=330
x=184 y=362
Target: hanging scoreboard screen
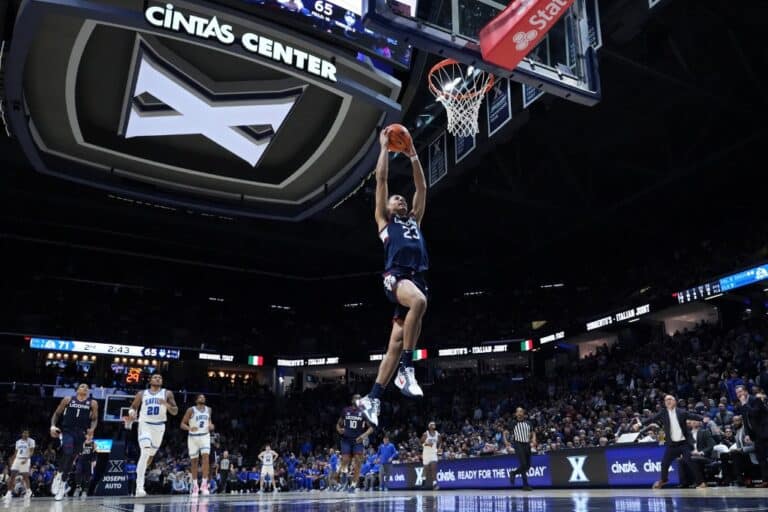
x=342 y=20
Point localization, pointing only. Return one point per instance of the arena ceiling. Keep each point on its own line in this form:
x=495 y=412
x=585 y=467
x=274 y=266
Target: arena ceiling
x=670 y=156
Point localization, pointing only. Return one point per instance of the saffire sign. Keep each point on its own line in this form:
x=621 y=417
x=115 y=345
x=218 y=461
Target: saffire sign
x=510 y=36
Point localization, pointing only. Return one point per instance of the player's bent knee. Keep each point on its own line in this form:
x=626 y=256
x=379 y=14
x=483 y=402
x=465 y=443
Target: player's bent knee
x=419 y=302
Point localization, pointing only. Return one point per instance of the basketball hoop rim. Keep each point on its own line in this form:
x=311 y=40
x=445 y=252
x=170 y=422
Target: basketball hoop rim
x=464 y=96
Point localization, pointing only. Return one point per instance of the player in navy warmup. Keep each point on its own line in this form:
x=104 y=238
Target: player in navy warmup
x=80 y=416
x=352 y=428
x=405 y=283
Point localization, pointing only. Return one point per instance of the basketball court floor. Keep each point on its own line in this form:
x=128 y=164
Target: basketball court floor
x=604 y=500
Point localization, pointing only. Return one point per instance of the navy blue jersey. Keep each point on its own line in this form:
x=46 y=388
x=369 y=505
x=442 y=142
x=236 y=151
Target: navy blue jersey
x=354 y=424
x=404 y=246
x=77 y=415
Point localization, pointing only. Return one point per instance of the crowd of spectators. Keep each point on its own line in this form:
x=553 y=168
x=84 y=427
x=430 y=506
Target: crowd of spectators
x=586 y=402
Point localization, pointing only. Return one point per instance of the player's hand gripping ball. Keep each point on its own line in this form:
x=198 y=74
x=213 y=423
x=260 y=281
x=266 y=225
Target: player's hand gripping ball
x=399 y=140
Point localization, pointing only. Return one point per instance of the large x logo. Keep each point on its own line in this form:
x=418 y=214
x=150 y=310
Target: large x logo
x=577 y=464
x=176 y=106
x=419 y=476
x=116 y=466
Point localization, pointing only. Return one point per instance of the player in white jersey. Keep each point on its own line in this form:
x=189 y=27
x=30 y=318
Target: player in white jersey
x=430 y=442
x=155 y=403
x=268 y=458
x=197 y=421
x=25 y=447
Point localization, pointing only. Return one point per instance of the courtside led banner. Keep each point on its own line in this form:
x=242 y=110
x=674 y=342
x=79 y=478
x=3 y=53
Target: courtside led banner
x=628 y=466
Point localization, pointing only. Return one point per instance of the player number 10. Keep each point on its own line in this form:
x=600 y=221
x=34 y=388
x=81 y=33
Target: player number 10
x=324 y=7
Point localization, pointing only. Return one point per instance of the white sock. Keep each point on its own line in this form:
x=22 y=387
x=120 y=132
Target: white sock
x=141 y=469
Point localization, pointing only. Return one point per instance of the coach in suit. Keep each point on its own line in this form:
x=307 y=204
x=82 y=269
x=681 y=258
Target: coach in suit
x=677 y=434
x=754 y=411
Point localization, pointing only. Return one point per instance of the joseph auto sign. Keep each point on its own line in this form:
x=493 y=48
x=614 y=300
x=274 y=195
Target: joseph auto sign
x=193 y=105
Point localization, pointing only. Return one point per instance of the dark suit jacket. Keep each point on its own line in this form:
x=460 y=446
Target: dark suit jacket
x=705 y=441
x=662 y=419
x=755 y=414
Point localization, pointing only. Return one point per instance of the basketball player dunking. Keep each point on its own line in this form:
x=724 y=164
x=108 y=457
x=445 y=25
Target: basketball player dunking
x=404 y=278
x=155 y=403
x=352 y=429
x=197 y=421
x=80 y=417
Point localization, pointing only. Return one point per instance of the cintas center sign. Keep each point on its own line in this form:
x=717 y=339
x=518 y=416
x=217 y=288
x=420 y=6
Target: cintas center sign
x=193 y=105
x=169 y=18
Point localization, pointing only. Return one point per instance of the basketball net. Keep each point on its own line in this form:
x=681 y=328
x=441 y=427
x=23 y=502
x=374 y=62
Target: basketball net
x=461 y=90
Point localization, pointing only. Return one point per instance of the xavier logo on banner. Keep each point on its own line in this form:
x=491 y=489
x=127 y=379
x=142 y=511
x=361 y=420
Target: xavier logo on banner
x=499 y=106
x=438 y=160
x=115 y=480
x=419 y=476
x=577 y=475
x=464 y=146
x=177 y=108
x=530 y=94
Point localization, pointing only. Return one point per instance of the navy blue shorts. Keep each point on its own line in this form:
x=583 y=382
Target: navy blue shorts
x=349 y=446
x=72 y=442
x=392 y=277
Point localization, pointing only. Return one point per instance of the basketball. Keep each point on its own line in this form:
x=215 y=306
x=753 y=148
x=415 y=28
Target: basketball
x=399 y=138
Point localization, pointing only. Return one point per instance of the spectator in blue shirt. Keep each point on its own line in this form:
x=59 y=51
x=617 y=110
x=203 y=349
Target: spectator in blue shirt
x=332 y=468
x=306 y=448
x=242 y=479
x=370 y=470
x=384 y=457
x=731 y=383
x=291 y=464
x=253 y=479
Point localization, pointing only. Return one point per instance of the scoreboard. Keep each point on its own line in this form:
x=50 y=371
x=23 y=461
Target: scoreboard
x=338 y=20
x=724 y=284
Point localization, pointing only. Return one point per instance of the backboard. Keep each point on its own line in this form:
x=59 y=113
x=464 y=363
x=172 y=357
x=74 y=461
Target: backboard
x=564 y=63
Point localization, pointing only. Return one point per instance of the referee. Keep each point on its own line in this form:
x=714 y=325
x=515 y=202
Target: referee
x=523 y=437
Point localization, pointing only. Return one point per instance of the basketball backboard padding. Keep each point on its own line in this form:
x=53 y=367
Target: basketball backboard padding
x=564 y=64
x=520 y=27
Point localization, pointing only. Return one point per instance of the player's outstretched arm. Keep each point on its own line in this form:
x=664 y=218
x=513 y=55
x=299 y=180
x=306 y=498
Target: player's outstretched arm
x=420 y=182
x=340 y=426
x=382 y=176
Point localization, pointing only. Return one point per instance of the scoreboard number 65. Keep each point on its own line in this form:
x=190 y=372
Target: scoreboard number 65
x=324 y=8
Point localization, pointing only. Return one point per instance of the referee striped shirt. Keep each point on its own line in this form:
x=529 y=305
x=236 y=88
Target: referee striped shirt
x=521 y=431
